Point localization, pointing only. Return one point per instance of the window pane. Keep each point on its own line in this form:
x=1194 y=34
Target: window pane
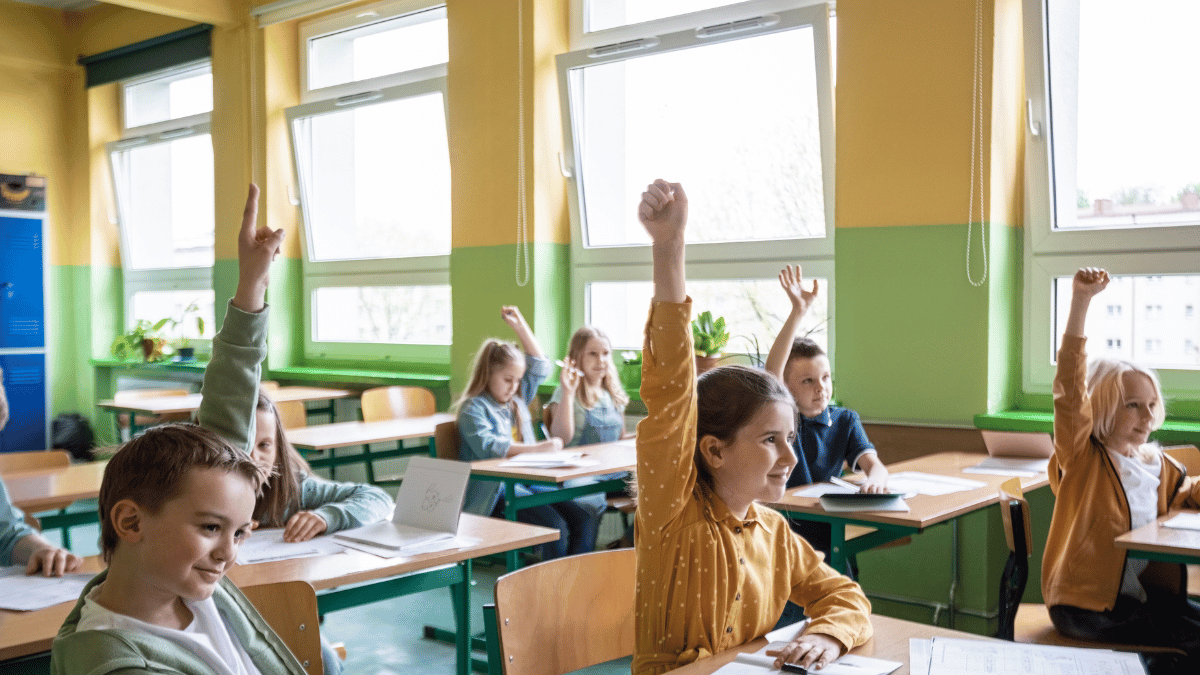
x=603 y=14
x=742 y=139
x=389 y=314
x=382 y=48
x=377 y=180
x=153 y=306
x=1138 y=156
x=165 y=198
x=1150 y=319
x=171 y=96
x=754 y=309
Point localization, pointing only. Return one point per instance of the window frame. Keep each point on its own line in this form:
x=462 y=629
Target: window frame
x=706 y=261
x=1049 y=252
x=422 y=270
x=581 y=38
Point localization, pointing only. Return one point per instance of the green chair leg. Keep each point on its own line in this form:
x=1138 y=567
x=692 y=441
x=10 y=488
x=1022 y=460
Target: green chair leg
x=492 y=634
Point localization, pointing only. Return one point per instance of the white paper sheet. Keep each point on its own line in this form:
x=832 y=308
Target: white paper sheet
x=1184 y=521
x=548 y=460
x=24 y=594
x=930 y=484
x=918 y=656
x=994 y=657
x=787 y=633
x=268 y=544
x=1010 y=466
x=410 y=551
x=850 y=664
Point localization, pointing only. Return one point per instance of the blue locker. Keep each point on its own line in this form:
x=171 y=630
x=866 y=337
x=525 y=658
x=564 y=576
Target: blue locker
x=22 y=292
x=25 y=386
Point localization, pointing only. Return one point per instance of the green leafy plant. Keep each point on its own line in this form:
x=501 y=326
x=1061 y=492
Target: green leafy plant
x=145 y=338
x=182 y=340
x=709 y=335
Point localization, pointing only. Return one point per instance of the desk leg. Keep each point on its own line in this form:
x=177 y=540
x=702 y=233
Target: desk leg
x=332 y=464
x=369 y=463
x=837 y=546
x=950 y=602
x=433 y=447
x=461 y=597
x=513 y=557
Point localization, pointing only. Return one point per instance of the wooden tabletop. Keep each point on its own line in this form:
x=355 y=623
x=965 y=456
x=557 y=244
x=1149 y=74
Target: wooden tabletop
x=890 y=642
x=610 y=457
x=165 y=405
x=37 y=490
x=24 y=633
x=1154 y=538
x=924 y=510
x=342 y=434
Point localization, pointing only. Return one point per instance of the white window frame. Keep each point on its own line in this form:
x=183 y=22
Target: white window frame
x=1050 y=253
x=706 y=261
x=163 y=279
x=426 y=270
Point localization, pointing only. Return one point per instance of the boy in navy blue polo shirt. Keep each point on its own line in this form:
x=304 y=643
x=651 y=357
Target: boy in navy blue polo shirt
x=827 y=437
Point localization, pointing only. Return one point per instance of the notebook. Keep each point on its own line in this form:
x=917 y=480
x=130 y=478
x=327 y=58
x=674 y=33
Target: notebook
x=428 y=506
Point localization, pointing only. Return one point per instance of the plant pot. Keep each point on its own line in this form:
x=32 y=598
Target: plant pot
x=706 y=363
x=187 y=353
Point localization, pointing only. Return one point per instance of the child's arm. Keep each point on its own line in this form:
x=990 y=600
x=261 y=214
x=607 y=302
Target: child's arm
x=877 y=473
x=562 y=404
x=483 y=440
x=20 y=544
x=791 y=278
x=230 y=388
x=666 y=438
x=330 y=507
x=1072 y=409
x=529 y=343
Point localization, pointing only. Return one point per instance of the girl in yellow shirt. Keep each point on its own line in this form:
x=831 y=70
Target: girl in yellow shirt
x=714 y=569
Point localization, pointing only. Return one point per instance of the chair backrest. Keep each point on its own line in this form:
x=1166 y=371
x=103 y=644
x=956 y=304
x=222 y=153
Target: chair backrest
x=292 y=414
x=566 y=614
x=128 y=395
x=1187 y=455
x=1014 y=511
x=446 y=440
x=12 y=462
x=268 y=385
x=390 y=403
x=290 y=608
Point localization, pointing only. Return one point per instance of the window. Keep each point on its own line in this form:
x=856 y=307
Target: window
x=753 y=148
x=373 y=161
x=162 y=170
x=1111 y=171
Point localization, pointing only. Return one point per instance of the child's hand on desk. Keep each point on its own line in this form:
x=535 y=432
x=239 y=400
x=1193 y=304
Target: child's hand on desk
x=257 y=247
x=303 y=525
x=52 y=561
x=811 y=650
x=874 y=486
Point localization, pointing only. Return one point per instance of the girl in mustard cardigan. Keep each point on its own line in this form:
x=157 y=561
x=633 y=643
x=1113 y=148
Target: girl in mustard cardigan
x=1108 y=479
x=714 y=569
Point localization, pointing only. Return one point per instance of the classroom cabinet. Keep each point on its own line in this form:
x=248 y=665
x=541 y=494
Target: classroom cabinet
x=23 y=320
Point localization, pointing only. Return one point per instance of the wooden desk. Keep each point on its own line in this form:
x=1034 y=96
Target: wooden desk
x=26 y=633
x=330 y=437
x=1167 y=544
x=189 y=403
x=889 y=642
x=616 y=457
x=39 y=489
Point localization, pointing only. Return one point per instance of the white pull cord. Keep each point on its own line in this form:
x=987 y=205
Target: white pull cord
x=522 y=233
x=977 y=174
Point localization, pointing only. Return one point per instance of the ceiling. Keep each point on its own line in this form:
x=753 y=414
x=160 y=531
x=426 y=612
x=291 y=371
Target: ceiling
x=61 y=4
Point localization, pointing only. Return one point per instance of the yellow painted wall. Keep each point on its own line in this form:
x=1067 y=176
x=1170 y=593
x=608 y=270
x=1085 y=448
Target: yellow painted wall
x=279 y=68
x=106 y=27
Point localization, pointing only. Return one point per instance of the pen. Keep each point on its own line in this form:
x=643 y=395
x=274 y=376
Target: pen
x=793 y=668
x=843 y=483
x=561 y=364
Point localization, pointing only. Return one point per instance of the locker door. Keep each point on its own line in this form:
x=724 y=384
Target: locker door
x=25 y=386
x=22 y=295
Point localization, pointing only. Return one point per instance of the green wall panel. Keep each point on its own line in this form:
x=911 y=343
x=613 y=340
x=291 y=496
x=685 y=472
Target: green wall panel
x=285 y=295
x=83 y=307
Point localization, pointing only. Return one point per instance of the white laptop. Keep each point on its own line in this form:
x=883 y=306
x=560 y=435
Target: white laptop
x=428 y=506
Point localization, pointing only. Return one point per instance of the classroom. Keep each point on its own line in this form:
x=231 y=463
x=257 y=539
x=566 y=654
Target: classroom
x=932 y=226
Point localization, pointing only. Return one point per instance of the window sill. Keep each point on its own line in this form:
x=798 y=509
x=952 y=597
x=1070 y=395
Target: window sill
x=1173 y=432
x=188 y=366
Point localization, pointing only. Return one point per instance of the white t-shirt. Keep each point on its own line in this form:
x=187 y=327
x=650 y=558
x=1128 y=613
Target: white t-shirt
x=208 y=636
x=1140 y=481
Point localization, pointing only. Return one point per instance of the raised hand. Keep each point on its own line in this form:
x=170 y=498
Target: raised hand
x=568 y=379
x=257 y=247
x=1089 y=281
x=663 y=211
x=512 y=316
x=791 y=278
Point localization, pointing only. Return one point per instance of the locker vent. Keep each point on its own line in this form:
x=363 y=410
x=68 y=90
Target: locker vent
x=24 y=326
x=26 y=242
x=23 y=376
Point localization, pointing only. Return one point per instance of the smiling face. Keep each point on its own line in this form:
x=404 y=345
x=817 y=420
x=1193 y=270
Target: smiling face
x=185 y=548
x=595 y=360
x=1134 y=419
x=756 y=463
x=810 y=381
x=505 y=380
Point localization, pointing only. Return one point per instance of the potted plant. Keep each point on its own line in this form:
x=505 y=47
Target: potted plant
x=144 y=336
x=183 y=346
x=710 y=337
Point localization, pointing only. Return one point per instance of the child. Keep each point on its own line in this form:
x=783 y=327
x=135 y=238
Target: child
x=714 y=569
x=827 y=437
x=493 y=421
x=175 y=503
x=590 y=384
x=20 y=544
x=1107 y=479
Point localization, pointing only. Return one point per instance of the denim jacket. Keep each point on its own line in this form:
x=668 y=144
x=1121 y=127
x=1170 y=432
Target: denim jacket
x=485 y=426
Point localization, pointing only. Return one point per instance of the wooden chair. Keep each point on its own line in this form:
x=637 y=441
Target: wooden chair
x=16 y=462
x=143 y=421
x=447 y=440
x=392 y=403
x=587 y=619
x=290 y=608
x=1187 y=455
x=268 y=386
x=1030 y=622
x=292 y=414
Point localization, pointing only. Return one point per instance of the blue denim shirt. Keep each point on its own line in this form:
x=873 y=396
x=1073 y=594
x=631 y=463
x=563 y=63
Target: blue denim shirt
x=485 y=427
x=12 y=527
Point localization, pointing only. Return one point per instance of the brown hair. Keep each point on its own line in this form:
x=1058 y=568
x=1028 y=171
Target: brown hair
x=610 y=382
x=150 y=470
x=493 y=354
x=281 y=489
x=726 y=399
x=804 y=348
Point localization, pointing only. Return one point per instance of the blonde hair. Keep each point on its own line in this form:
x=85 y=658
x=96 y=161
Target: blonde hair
x=1106 y=391
x=493 y=355
x=610 y=382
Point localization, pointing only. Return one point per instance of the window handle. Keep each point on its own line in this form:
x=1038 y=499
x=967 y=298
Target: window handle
x=175 y=133
x=355 y=99
x=1035 y=128
x=292 y=197
x=562 y=166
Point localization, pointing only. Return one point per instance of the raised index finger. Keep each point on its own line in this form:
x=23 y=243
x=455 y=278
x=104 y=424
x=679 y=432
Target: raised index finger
x=250 y=215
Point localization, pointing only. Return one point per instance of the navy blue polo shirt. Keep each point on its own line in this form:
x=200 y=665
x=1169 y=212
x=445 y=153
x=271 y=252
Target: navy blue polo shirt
x=823 y=443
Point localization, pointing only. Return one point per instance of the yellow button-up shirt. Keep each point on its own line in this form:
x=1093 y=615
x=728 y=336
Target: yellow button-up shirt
x=707 y=581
